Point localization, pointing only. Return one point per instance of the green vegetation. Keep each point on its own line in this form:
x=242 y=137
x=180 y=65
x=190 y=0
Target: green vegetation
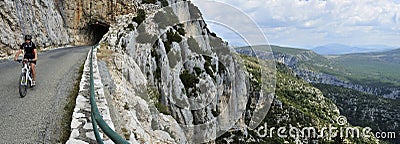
x=197 y=70
x=141 y=16
x=155 y=97
x=164 y=3
x=210 y=68
x=130 y=27
x=171 y=37
x=189 y=80
x=126 y=106
x=254 y=70
x=372 y=69
x=149 y=1
x=180 y=29
x=364 y=109
x=284 y=50
x=127 y=134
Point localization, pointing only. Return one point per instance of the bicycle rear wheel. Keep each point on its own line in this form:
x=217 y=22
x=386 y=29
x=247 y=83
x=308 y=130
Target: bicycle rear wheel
x=22 y=85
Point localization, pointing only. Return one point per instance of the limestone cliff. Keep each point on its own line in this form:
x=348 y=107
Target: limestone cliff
x=184 y=76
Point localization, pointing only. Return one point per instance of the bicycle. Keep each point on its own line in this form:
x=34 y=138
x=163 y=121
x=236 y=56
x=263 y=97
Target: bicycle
x=25 y=79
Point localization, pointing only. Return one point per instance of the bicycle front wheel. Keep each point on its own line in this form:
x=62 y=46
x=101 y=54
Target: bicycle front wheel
x=22 y=85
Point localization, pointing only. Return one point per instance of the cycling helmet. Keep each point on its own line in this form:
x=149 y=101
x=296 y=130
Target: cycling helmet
x=28 y=37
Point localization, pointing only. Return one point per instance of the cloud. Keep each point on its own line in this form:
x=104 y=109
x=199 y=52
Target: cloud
x=301 y=22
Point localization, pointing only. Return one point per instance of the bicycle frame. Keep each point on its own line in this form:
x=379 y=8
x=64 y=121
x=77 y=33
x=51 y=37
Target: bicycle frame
x=27 y=69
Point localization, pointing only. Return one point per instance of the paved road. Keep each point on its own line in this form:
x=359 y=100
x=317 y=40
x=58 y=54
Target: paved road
x=36 y=118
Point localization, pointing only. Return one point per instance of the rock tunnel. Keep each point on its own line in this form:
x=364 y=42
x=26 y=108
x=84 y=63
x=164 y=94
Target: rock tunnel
x=96 y=31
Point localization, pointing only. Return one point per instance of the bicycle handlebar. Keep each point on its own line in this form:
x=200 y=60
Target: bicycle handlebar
x=27 y=60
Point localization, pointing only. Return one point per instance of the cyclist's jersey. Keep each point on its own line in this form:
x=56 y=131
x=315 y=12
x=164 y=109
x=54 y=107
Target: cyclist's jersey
x=29 y=48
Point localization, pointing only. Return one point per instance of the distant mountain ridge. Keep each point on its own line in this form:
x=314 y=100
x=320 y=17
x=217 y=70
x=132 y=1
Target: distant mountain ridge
x=341 y=49
x=375 y=73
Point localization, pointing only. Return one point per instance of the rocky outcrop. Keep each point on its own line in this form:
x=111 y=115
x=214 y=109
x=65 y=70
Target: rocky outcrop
x=162 y=77
x=88 y=21
x=36 y=17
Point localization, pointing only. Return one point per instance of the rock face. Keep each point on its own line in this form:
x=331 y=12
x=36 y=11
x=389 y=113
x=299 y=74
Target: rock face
x=54 y=23
x=175 y=77
x=40 y=18
x=88 y=21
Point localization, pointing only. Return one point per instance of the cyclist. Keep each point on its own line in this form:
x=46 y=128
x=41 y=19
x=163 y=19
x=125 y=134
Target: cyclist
x=30 y=52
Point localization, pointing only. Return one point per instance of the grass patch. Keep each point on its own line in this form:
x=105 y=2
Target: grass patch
x=155 y=96
x=127 y=134
x=69 y=108
x=103 y=53
x=126 y=106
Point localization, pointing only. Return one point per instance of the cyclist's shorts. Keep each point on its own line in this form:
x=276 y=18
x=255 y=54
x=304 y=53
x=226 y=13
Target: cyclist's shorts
x=30 y=56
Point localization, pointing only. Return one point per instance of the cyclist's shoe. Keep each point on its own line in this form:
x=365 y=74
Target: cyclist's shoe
x=33 y=83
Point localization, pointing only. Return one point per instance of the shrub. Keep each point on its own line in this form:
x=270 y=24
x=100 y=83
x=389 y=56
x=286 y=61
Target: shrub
x=155 y=96
x=167 y=47
x=179 y=29
x=141 y=16
x=149 y=1
x=171 y=37
x=164 y=3
x=162 y=108
x=189 y=80
x=210 y=69
x=130 y=27
x=197 y=70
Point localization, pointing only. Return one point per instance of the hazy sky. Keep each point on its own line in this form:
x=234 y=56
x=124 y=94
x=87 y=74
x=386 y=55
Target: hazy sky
x=310 y=23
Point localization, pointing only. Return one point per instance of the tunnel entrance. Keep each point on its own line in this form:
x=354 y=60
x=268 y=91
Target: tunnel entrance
x=97 y=30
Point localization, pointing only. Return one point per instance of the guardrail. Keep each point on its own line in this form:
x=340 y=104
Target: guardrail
x=95 y=115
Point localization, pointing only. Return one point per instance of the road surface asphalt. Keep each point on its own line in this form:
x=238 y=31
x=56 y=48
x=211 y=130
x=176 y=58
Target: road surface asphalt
x=36 y=118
